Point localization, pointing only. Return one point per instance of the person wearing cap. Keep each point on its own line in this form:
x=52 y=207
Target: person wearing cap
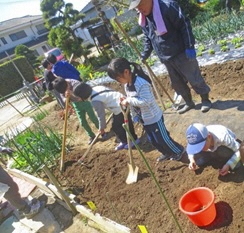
x=210 y=138
x=168 y=32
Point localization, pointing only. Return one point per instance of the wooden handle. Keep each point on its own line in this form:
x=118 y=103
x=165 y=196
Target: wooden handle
x=94 y=140
x=64 y=134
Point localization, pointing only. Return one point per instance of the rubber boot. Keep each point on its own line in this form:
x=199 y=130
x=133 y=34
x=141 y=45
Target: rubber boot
x=206 y=103
x=189 y=104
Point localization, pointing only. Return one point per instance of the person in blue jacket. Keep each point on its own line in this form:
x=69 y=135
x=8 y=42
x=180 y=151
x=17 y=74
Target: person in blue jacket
x=63 y=68
x=168 y=32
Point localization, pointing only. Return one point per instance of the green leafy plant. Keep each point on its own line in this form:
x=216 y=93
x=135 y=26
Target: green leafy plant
x=151 y=61
x=237 y=45
x=201 y=48
x=99 y=74
x=224 y=48
x=85 y=71
x=41 y=115
x=222 y=42
x=237 y=42
x=35 y=147
x=199 y=53
x=211 y=51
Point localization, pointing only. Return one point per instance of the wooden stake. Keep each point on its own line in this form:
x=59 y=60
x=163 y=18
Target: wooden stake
x=56 y=184
x=63 y=155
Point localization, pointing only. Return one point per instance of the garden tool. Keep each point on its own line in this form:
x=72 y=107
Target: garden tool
x=93 y=142
x=133 y=170
x=64 y=134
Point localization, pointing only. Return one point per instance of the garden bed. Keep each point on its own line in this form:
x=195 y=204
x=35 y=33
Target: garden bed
x=103 y=181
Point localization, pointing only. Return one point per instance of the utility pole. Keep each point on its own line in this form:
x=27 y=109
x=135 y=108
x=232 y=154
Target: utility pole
x=27 y=87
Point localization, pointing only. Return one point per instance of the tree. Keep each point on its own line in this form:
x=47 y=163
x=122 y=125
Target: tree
x=58 y=18
x=22 y=50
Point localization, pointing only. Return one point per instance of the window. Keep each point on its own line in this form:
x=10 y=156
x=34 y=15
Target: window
x=41 y=29
x=3 y=40
x=18 y=35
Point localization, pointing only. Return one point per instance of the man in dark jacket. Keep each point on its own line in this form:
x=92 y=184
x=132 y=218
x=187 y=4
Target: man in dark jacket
x=168 y=32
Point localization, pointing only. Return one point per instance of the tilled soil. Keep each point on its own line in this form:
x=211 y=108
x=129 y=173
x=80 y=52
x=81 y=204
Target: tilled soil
x=102 y=181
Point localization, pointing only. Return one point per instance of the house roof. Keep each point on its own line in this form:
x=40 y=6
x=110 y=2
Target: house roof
x=15 y=22
x=88 y=7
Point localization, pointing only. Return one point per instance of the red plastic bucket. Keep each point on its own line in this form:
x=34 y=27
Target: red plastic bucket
x=198 y=204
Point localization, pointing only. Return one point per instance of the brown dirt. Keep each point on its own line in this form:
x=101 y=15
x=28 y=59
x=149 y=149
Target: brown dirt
x=103 y=181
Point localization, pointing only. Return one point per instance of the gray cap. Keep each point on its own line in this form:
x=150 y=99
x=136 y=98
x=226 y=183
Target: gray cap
x=134 y=4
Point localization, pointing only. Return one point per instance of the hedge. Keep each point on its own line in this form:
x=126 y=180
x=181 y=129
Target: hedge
x=10 y=78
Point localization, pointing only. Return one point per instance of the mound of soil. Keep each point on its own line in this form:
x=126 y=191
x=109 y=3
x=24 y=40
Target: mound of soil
x=102 y=180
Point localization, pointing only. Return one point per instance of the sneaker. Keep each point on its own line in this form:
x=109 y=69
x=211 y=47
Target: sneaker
x=121 y=146
x=178 y=156
x=186 y=107
x=162 y=157
x=132 y=144
x=36 y=207
x=90 y=140
x=206 y=105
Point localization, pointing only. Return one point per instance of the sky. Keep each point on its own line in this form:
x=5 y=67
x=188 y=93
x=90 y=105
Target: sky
x=18 y=8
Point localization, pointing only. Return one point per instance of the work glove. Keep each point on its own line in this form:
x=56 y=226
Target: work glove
x=7 y=150
x=191 y=54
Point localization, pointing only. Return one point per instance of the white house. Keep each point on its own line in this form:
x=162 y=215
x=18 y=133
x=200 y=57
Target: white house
x=27 y=30
x=30 y=31
x=90 y=12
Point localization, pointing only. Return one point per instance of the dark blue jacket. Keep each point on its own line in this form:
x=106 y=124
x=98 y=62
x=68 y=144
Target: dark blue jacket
x=179 y=34
x=65 y=70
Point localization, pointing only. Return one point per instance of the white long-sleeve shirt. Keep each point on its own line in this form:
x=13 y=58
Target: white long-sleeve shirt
x=142 y=97
x=106 y=99
x=223 y=136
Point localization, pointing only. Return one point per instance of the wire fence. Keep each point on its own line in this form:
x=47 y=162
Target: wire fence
x=32 y=92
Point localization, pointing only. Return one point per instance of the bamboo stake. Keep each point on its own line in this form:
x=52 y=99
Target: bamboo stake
x=154 y=178
x=64 y=135
x=63 y=155
x=145 y=63
x=56 y=184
